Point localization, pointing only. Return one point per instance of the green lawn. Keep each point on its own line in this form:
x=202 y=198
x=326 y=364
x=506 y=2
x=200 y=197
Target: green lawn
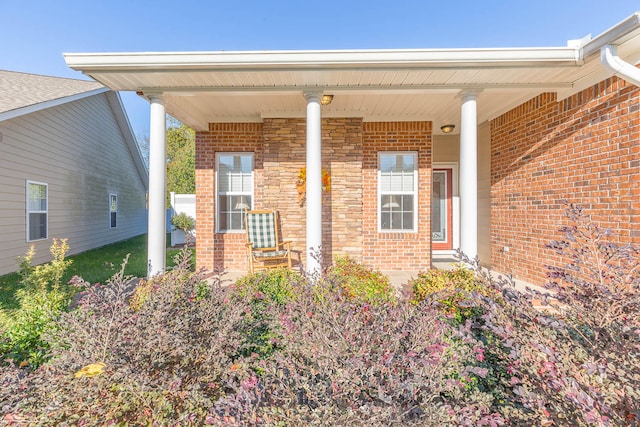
x=96 y=265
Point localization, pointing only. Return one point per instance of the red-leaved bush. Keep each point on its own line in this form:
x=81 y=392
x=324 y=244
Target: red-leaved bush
x=280 y=351
x=166 y=360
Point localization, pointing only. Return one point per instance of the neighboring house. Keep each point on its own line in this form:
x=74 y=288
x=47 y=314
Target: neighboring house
x=533 y=127
x=69 y=167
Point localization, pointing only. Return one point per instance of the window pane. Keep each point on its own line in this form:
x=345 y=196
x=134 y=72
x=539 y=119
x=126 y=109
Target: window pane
x=223 y=221
x=397 y=172
x=37 y=197
x=247 y=183
x=408 y=163
x=231 y=212
x=37 y=226
x=397 y=187
x=113 y=219
x=223 y=203
x=246 y=165
x=236 y=221
x=396 y=221
x=396 y=183
x=113 y=203
x=407 y=181
x=226 y=161
x=235 y=187
x=407 y=203
x=390 y=203
x=223 y=179
x=407 y=221
x=234 y=181
x=387 y=162
x=385 y=221
x=234 y=173
x=240 y=203
x=385 y=182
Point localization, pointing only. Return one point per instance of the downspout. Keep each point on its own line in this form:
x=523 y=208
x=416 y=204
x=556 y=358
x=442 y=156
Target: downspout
x=624 y=70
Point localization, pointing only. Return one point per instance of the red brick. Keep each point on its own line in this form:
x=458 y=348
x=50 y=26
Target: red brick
x=581 y=140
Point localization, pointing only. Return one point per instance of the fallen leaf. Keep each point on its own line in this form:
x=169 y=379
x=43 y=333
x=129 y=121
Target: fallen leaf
x=92 y=370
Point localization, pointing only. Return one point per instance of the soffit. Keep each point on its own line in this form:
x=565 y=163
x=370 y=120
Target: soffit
x=203 y=87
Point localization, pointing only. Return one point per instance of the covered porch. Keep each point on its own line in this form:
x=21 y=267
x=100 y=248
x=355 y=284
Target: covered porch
x=268 y=107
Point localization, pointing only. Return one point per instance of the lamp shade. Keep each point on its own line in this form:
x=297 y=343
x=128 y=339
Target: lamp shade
x=447 y=128
x=326 y=99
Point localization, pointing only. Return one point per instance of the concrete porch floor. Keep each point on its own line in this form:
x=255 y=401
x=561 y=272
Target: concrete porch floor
x=399 y=279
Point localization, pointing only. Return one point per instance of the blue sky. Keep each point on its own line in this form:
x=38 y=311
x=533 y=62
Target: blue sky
x=35 y=33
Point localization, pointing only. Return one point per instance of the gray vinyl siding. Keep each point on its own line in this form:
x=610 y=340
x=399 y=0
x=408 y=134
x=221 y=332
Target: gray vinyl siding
x=79 y=150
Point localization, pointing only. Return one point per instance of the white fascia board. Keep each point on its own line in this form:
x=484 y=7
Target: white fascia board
x=48 y=104
x=618 y=34
x=252 y=60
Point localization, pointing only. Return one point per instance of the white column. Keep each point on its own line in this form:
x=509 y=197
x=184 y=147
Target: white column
x=157 y=245
x=469 y=175
x=314 y=183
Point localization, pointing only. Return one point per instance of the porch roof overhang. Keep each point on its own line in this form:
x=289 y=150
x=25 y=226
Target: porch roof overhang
x=390 y=85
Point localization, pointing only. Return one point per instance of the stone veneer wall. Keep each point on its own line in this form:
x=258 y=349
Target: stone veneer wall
x=584 y=149
x=349 y=210
x=285 y=155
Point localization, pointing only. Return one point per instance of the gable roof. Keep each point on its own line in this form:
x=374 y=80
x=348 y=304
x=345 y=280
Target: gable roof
x=410 y=84
x=23 y=93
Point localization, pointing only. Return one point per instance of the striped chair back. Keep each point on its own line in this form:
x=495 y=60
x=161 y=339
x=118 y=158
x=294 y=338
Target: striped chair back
x=261 y=229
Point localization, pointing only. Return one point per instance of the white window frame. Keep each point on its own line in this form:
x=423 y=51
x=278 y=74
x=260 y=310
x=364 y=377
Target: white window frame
x=414 y=193
x=28 y=211
x=112 y=211
x=234 y=193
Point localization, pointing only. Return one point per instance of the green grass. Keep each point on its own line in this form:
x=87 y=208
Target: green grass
x=96 y=266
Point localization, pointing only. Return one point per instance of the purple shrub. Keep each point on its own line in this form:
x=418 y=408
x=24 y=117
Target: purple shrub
x=600 y=284
x=178 y=350
x=346 y=363
x=166 y=359
x=577 y=364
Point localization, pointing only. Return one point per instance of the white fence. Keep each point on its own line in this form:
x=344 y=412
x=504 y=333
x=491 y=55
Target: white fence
x=181 y=203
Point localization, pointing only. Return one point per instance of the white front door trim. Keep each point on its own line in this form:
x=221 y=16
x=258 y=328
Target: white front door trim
x=455 y=205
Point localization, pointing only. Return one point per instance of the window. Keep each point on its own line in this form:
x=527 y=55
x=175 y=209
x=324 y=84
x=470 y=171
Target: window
x=397 y=187
x=113 y=210
x=37 y=211
x=234 y=189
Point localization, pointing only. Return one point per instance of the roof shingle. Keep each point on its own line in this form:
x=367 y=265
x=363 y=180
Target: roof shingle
x=19 y=90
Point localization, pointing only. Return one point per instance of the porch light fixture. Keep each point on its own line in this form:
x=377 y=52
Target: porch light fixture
x=447 y=128
x=326 y=99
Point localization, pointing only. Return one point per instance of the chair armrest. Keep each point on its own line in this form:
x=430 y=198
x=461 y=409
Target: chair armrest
x=286 y=243
x=249 y=245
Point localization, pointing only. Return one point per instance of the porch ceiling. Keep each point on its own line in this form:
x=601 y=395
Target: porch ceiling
x=391 y=85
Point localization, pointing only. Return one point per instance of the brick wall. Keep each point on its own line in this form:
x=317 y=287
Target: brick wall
x=216 y=250
x=584 y=149
x=279 y=147
x=396 y=251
